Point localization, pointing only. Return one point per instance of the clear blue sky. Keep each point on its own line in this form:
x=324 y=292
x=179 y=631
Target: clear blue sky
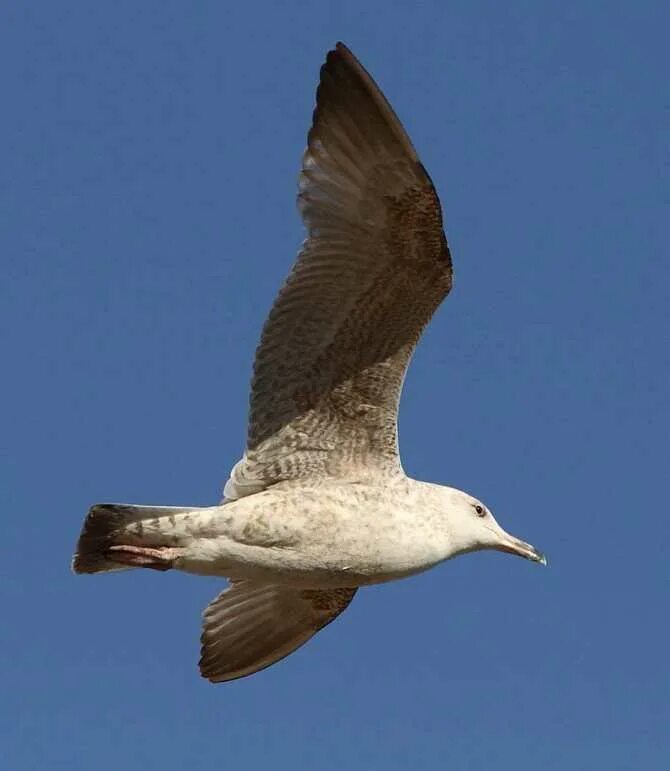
x=149 y=161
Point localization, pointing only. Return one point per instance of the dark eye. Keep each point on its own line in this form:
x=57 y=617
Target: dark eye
x=480 y=510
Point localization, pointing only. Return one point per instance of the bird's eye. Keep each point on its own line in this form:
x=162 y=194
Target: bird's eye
x=480 y=510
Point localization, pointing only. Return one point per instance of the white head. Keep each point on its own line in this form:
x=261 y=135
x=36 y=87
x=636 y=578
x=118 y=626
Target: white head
x=471 y=527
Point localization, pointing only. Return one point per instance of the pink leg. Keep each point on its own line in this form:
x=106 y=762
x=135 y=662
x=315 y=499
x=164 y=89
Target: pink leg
x=157 y=558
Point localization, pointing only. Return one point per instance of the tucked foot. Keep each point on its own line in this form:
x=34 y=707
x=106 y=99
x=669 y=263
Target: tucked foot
x=156 y=558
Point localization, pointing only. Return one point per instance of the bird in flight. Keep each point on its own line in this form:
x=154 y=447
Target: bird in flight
x=319 y=504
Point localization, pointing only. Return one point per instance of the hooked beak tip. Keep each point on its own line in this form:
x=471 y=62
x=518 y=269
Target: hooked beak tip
x=523 y=549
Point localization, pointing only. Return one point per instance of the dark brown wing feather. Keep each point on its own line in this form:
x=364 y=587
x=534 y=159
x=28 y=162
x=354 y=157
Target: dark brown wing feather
x=251 y=626
x=375 y=265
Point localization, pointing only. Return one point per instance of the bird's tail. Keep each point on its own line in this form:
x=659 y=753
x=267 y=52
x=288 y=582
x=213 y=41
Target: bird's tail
x=113 y=524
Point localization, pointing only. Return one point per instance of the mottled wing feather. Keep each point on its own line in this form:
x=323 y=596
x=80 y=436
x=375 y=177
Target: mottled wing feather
x=250 y=626
x=375 y=265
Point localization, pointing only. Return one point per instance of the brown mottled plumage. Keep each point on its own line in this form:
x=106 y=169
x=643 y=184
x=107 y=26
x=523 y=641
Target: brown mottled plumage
x=319 y=504
x=372 y=271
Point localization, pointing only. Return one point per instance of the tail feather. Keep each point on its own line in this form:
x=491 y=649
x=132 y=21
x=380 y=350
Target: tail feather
x=110 y=524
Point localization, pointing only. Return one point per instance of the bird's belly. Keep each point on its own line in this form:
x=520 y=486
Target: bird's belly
x=337 y=557
x=297 y=568
x=345 y=536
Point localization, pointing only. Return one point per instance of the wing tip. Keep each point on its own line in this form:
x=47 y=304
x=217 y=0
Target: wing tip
x=341 y=64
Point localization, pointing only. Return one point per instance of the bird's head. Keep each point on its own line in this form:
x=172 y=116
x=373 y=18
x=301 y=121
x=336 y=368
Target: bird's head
x=472 y=527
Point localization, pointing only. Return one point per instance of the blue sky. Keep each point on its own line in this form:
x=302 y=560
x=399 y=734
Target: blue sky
x=150 y=153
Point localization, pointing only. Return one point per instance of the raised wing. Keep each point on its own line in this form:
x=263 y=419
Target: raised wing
x=375 y=265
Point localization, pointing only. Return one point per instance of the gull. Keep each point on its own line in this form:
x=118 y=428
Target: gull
x=319 y=504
